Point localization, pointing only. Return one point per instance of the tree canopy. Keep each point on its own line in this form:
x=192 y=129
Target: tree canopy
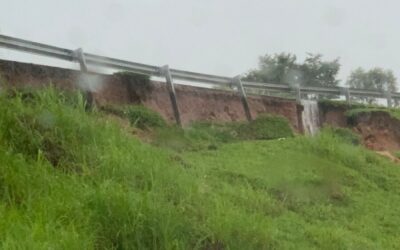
x=374 y=79
x=283 y=68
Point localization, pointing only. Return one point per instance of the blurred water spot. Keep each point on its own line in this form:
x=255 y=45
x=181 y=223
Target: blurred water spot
x=90 y=82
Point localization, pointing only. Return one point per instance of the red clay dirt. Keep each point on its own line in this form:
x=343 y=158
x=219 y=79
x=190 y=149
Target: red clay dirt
x=195 y=104
x=379 y=130
x=334 y=116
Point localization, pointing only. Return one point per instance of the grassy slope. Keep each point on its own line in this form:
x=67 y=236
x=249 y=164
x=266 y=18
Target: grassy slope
x=358 y=108
x=108 y=190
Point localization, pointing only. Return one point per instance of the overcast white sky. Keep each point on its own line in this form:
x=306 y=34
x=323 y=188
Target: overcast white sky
x=222 y=37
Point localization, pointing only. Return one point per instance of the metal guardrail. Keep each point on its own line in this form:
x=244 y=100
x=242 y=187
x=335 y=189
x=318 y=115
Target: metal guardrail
x=95 y=60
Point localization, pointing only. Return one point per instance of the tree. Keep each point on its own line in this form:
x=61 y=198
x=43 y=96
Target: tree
x=319 y=73
x=283 y=69
x=375 y=79
x=274 y=69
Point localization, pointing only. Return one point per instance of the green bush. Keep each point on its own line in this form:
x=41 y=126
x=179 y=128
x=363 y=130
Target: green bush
x=144 y=118
x=264 y=128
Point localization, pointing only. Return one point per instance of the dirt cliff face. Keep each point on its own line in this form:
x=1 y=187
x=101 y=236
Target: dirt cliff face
x=195 y=104
x=199 y=104
x=23 y=74
x=379 y=130
x=333 y=116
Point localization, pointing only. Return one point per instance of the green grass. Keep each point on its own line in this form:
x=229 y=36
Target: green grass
x=143 y=118
x=75 y=180
x=139 y=116
x=393 y=112
x=200 y=135
x=345 y=134
x=329 y=104
x=206 y=135
x=264 y=128
x=356 y=109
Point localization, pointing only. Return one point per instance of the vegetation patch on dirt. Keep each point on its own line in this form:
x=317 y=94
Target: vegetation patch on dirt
x=377 y=126
x=201 y=135
x=393 y=112
x=137 y=85
x=327 y=104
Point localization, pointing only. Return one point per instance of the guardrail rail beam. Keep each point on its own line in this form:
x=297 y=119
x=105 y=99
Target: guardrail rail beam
x=86 y=59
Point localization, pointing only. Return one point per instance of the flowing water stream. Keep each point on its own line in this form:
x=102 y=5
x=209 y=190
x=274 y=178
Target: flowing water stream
x=310 y=117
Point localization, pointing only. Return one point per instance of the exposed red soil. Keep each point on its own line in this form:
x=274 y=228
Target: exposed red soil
x=195 y=104
x=380 y=131
x=199 y=104
x=334 y=117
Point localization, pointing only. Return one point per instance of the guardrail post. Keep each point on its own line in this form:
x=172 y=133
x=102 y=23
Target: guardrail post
x=298 y=93
x=389 y=99
x=346 y=92
x=172 y=95
x=238 y=82
x=80 y=57
x=348 y=96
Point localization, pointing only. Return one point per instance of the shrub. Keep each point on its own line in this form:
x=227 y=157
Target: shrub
x=144 y=118
x=264 y=128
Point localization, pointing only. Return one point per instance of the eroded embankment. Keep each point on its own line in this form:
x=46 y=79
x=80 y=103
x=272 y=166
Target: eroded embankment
x=378 y=128
x=195 y=104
